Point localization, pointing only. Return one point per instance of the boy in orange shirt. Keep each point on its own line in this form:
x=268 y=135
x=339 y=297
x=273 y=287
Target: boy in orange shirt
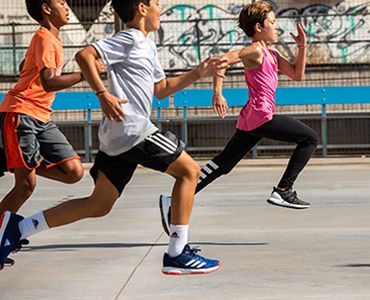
x=32 y=143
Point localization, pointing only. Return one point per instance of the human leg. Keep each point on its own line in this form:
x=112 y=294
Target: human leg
x=14 y=228
x=60 y=161
x=164 y=152
x=25 y=183
x=237 y=147
x=181 y=258
x=111 y=174
x=109 y=184
x=285 y=128
x=70 y=171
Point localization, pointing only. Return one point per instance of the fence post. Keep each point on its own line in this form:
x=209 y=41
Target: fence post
x=184 y=131
x=199 y=53
x=88 y=136
x=255 y=152
x=184 y=127
x=159 y=116
x=14 y=48
x=324 y=127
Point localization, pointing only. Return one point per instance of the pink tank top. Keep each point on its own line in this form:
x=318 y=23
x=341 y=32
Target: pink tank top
x=262 y=83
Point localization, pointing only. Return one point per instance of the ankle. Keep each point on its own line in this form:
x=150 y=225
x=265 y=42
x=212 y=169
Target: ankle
x=281 y=189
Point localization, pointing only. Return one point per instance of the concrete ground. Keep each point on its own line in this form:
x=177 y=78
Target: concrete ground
x=267 y=252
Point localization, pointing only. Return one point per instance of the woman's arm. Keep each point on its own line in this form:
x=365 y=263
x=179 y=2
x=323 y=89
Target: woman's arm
x=295 y=71
x=168 y=86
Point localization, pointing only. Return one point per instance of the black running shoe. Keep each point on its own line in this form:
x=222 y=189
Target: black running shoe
x=287 y=199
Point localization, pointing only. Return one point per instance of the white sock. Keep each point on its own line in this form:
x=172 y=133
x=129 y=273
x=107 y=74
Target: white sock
x=33 y=224
x=178 y=239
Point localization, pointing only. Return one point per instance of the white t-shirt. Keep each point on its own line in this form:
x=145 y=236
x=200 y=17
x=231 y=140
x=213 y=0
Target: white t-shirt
x=133 y=68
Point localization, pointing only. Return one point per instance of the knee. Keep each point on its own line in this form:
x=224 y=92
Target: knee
x=75 y=174
x=312 y=139
x=192 y=172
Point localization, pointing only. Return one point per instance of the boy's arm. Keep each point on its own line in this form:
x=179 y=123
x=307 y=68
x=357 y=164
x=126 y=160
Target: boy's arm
x=219 y=103
x=110 y=105
x=249 y=55
x=295 y=71
x=168 y=86
x=52 y=82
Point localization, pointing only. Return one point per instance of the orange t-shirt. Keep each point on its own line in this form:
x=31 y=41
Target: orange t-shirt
x=28 y=95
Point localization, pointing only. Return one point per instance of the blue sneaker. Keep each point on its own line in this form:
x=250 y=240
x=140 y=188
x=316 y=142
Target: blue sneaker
x=165 y=208
x=188 y=262
x=9 y=235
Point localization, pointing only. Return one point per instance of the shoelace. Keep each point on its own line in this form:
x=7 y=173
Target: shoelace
x=194 y=251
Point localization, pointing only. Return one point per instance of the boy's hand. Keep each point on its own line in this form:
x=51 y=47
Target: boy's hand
x=111 y=106
x=219 y=104
x=300 y=39
x=210 y=66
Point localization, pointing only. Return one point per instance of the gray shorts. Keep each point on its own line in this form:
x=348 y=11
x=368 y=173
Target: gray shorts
x=30 y=143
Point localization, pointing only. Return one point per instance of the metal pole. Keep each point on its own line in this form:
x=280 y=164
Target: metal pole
x=199 y=53
x=184 y=130
x=324 y=129
x=88 y=136
x=15 y=68
x=255 y=152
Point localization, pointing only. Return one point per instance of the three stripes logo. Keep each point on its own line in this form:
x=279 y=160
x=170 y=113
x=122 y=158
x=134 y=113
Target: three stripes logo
x=207 y=170
x=163 y=142
x=35 y=223
x=175 y=235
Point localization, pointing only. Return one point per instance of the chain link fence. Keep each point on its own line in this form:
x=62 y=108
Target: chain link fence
x=338 y=51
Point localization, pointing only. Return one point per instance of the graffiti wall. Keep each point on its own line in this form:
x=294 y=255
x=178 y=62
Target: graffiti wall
x=338 y=31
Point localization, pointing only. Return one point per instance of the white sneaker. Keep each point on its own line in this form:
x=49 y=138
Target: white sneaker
x=165 y=208
x=287 y=199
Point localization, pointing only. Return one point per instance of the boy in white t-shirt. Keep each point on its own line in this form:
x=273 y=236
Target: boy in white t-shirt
x=128 y=138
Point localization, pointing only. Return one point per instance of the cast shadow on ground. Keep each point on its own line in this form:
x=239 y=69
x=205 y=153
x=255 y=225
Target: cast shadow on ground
x=75 y=247
x=355 y=266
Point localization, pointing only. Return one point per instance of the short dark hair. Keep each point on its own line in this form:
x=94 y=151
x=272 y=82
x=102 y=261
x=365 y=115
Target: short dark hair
x=126 y=9
x=34 y=8
x=252 y=14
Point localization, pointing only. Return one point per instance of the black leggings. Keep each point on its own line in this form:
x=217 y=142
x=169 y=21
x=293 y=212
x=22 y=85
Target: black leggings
x=281 y=128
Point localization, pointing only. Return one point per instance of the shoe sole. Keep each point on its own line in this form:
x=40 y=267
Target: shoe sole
x=5 y=217
x=9 y=262
x=286 y=204
x=163 y=219
x=179 y=272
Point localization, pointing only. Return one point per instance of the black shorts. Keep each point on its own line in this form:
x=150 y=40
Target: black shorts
x=156 y=152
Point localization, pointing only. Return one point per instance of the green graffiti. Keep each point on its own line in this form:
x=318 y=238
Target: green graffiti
x=182 y=9
x=353 y=24
x=210 y=10
x=231 y=35
x=344 y=54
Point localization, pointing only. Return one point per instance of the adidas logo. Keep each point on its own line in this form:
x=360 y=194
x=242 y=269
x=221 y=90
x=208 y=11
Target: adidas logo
x=175 y=235
x=7 y=243
x=35 y=223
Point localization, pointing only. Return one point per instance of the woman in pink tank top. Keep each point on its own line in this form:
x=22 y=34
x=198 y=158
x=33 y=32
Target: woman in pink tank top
x=257 y=118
